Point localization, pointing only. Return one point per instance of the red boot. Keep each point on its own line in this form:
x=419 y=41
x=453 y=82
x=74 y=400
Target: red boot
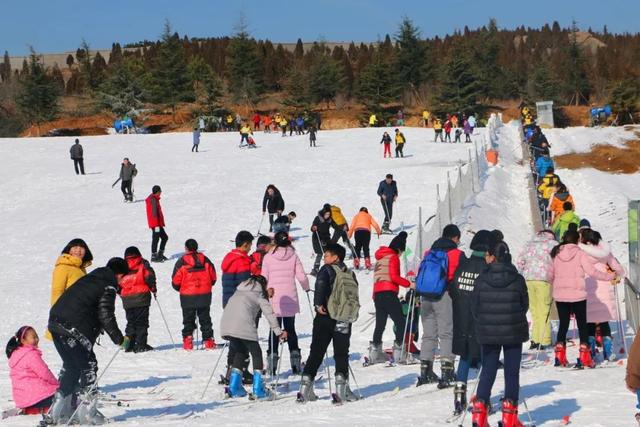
x=585 y=356
x=367 y=263
x=209 y=344
x=187 y=343
x=561 y=355
x=479 y=414
x=356 y=263
x=509 y=415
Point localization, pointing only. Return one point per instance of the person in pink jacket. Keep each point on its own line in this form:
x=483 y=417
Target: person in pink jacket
x=282 y=267
x=32 y=382
x=571 y=266
x=601 y=297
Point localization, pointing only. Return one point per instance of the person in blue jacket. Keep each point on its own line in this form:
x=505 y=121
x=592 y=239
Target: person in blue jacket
x=388 y=192
x=543 y=164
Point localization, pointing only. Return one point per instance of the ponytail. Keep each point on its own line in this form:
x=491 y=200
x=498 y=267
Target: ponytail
x=15 y=341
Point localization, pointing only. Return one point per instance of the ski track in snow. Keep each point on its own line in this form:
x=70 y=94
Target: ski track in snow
x=215 y=193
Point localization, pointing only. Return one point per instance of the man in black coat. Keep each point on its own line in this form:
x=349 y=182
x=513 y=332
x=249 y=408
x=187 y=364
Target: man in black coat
x=273 y=203
x=321 y=235
x=388 y=192
x=77 y=157
x=75 y=321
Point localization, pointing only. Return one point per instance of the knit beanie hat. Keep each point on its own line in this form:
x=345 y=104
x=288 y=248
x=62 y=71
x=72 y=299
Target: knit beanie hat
x=584 y=223
x=483 y=241
x=399 y=243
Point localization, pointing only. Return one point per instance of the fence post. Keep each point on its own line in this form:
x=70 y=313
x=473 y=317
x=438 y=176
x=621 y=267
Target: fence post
x=438 y=207
x=420 y=226
x=449 y=195
x=472 y=173
x=459 y=187
x=475 y=146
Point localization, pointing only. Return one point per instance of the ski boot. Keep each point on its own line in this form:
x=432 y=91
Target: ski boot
x=376 y=354
x=585 y=357
x=161 y=256
x=534 y=346
x=593 y=347
x=272 y=363
x=399 y=355
x=142 y=347
x=224 y=379
x=427 y=376
x=187 y=343
x=607 y=349
x=367 y=263
x=209 y=344
x=343 y=391
x=87 y=412
x=356 y=263
x=509 y=415
x=296 y=361
x=306 y=393
x=258 y=386
x=561 y=355
x=154 y=258
x=479 y=414
x=447 y=376
x=60 y=410
x=235 y=388
x=459 y=398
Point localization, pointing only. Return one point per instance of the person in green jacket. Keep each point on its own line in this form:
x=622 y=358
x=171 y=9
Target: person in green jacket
x=561 y=225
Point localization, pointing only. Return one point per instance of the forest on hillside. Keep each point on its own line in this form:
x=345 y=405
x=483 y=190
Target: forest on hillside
x=469 y=70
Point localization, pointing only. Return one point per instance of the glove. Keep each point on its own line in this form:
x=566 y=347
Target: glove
x=126 y=343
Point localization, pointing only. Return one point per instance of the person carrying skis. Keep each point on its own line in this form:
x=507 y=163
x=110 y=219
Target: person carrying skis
x=238 y=326
x=436 y=310
x=273 y=203
x=328 y=326
x=263 y=244
x=127 y=172
x=155 y=220
x=561 y=224
x=361 y=225
x=437 y=128
x=400 y=141
x=386 y=285
x=386 y=140
x=464 y=342
x=75 y=321
x=312 y=135
x=77 y=155
x=196 y=140
x=499 y=306
x=136 y=288
x=282 y=267
x=388 y=193
x=321 y=235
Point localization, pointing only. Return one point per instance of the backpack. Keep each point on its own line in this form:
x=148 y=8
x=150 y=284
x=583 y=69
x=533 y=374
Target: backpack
x=431 y=282
x=344 y=301
x=135 y=170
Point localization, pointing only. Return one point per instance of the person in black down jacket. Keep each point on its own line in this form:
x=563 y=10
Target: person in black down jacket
x=273 y=203
x=321 y=235
x=461 y=289
x=499 y=305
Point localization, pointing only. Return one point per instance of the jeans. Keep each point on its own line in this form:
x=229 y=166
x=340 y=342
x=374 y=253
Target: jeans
x=189 y=321
x=289 y=325
x=162 y=237
x=490 y=359
x=194 y=148
x=387 y=207
x=324 y=331
x=579 y=309
x=387 y=305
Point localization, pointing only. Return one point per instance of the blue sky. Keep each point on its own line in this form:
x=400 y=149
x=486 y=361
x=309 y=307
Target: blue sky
x=60 y=25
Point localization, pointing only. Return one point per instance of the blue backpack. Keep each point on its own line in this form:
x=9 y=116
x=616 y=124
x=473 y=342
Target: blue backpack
x=431 y=282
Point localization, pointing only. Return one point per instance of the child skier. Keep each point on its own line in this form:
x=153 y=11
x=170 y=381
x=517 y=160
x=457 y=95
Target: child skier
x=263 y=244
x=194 y=276
x=386 y=285
x=238 y=325
x=447 y=130
x=457 y=134
x=333 y=277
x=361 y=225
x=386 y=140
x=136 y=289
x=400 y=141
x=32 y=382
x=561 y=224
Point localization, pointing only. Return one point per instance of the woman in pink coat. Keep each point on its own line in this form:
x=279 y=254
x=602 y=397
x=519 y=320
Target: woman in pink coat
x=570 y=268
x=33 y=383
x=601 y=297
x=282 y=267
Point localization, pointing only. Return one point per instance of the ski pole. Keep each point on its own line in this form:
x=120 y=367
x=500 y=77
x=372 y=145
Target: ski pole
x=94 y=386
x=386 y=212
x=620 y=327
x=164 y=319
x=540 y=344
x=275 y=385
x=406 y=327
x=475 y=388
x=355 y=381
x=215 y=367
x=260 y=225
x=413 y=313
x=524 y=402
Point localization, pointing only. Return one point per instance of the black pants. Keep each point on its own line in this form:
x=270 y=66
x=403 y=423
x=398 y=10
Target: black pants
x=137 y=325
x=289 y=325
x=387 y=305
x=78 y=163
x=125 y=187
x=447 y=136
x=399 y=148
x=189 y=321
x=363 y=238
x=242 y=349
x=324 y=331
x=490 y=359
x=438 y=135
x=467 y=137
x=244 y=137
x=605 y=329
x=194 y=148
x=155 y=236
x=341 y=233
x=579 y=309
x=312 y=142
x=387 y=207
x=79 y=364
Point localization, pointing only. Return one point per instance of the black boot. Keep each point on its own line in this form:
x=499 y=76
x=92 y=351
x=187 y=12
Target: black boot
x=161 y=256
x=459 y=398
x=224 y=379
x=447 y=376
x=427 y=376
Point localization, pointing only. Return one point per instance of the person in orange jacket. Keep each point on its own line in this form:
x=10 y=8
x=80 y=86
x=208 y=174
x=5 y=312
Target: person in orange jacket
x=361 y=225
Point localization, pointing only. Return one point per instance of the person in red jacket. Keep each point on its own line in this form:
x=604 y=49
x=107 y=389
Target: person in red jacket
x=262 y=247
x=256 y=121
x=386 y=285
x=155 y=220
x=194 y=276
x=136 y=289
x=447 y=130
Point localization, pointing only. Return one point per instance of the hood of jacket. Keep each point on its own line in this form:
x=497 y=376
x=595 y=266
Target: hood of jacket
x=568 y=217
x=20 y=353
x=232 y=257
x=444 y=244
x=568 y=252
x=601 y=251
x=283 y=253
x=501 y=275
x=562 y=196
x=70 y=260
x=250 y=286
x=384 y=251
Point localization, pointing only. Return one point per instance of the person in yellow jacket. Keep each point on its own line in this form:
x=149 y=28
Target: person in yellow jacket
x=437 y=127
x=400 y=140
x=245 y=131
x=340 y=226
x=361 y=225
x=283 y=124
x=229 y=122
x=373 y=121
x=547 y=187
x=70 y=266
x=425 y=117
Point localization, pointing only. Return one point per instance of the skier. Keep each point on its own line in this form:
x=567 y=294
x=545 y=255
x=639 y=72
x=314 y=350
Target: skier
x=155 y=220
x=334 y=274
x=321 y=229
x=135 y=290
x=447 y=130
x=561 y=224
x=536 y=265
x=194 y=276
x=312 y=135
x=77 y=156
x=245 y=131
x=75 y=321
x=547 y=186
x=283 y=125
x=373 y=121
x=386 y=140
x=388 y=192
x=273 y=203
x=283 y=223
x=340 y=226
x=196 y=139
x=386 y=285
x=127 y=172
x=601 y=298
x=400 y=141
x=361 y=225
x=468 y=130
x=238 y=325
x=256 y=122
x=543 y=163
x=437 y=128
x=425 y=118
x=457 y=134
x=557 y=201
x=32 y=383
x=300 y=125
x=436 y=312
x=282 y=267
x=571 y=265
x=266 y=122
x=499 y=306
x=472 y=124
x=263 y=244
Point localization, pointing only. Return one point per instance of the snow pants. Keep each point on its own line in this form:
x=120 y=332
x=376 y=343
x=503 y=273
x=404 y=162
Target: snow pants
x=579 y=309
x=158 y=236
x=363 y=239
x=387 y=150
x=189 y=321
x=79 y=363
x=125 y=187
x=438 y=135
x=540 y=301
x=242 y=349
x=490 y=359
x=399 y=148
x=326 y=330
x=437 y=324
x=137 y=326
x=388 y=305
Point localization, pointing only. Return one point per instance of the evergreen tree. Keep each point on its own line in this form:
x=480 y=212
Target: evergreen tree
x=543 y=85
x=115 y=56
x=244 y=71
x=98 y=70
x=460 y=87
x=410 y=57
x=490 y=74
x=57 y=77
x=298 y=52
x=123 y=90
x=296 y=88
x=625 y=98
x=206 y=84
x=5 y=68
x=325 y=79
x=39 y=93
x=377 y=83
x=577 y=83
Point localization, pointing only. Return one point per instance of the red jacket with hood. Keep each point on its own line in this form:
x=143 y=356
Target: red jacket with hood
x=136 y=287
x=155 y=218
x=194 y=275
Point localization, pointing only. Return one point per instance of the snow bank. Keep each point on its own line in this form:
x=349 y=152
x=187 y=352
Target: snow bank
x=582 y=139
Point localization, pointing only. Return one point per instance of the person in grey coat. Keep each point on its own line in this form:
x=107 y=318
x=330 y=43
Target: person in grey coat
x=196 y=140
x=127 y=172
x=239 y=327
x=77 y=157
